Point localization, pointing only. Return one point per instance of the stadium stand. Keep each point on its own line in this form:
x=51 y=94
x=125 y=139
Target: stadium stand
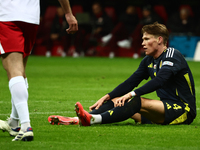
x=83 y=16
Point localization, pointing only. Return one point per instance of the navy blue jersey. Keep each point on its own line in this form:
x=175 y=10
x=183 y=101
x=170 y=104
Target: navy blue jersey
x=171 y=78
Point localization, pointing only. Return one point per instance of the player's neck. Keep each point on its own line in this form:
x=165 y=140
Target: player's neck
x=160 y=50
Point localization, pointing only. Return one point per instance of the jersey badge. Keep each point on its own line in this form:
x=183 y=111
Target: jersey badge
x=154 y=67
x=169 y=63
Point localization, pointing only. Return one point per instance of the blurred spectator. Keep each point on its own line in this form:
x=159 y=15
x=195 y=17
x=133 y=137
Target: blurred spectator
x=101 y=25
x=181 y=22
x=149 y=16
x=58 y=33
x=134 y=41
x=71 y=43
x=126 y=25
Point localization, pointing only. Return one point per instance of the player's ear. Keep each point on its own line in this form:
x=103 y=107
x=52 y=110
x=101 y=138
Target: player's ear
x=160 y=40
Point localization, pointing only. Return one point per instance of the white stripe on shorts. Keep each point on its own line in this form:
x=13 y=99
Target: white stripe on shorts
x=1 y=49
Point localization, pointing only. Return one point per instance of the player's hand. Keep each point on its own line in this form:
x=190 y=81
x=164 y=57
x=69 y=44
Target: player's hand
x=120 y=101
x=73 y=24
x=99 y=102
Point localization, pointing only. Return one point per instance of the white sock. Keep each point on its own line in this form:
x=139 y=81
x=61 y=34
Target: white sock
x=14 y=118
x=13 y=123
x=19 y=94
x=14 y=113
x=25 y=125
x=96 y=119
x=26 y=82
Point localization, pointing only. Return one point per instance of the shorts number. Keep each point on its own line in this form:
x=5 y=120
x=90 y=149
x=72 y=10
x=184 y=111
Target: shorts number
x=175 y=106
x=168 y=106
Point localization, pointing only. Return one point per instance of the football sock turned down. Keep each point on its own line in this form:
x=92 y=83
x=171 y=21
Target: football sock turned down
x=106 y=106
x=19 y=95
x=118 y=114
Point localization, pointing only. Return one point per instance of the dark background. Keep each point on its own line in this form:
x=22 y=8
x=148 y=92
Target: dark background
x=120 y=5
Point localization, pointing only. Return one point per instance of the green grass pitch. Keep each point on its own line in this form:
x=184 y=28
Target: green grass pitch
x=56 y=84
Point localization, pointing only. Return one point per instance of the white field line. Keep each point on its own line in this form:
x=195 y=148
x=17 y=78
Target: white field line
x=50 y=113
x=47 y=113
x=46 y=101
x=44 y=113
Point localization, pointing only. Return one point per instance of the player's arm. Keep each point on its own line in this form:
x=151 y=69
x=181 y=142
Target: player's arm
x=150 y=86
x=71 y=20
x=120 y=90
x=125 y=87
x=170 y=66
x=140 y=74
x=155 y=83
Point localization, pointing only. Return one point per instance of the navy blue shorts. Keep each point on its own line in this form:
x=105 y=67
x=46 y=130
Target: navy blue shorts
x=175 y=113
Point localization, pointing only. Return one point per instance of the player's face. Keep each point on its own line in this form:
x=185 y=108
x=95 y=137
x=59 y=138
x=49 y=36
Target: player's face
x=150 y=44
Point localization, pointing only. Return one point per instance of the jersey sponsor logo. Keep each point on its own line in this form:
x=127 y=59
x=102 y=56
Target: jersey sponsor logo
x=169 y=63
x=170 y=52
x=150 y=65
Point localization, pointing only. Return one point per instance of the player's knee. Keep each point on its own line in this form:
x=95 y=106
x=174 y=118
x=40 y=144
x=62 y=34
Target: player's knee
x=143 y=102
x=14 y=73
x=137 y=117
x=146 y=104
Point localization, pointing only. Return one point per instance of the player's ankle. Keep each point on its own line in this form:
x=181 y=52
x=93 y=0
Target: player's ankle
x=96 y=119
x=25 y=125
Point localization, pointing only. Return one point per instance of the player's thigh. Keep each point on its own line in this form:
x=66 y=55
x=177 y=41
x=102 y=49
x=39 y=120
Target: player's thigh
x=153 y=110
x=13 y=64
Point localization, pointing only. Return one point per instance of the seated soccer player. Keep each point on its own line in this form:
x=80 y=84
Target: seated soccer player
x=171 y=78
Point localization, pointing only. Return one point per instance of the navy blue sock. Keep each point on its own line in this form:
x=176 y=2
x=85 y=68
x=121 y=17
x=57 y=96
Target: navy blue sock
x=118 y=114
x=106 y=106
x=145 y=120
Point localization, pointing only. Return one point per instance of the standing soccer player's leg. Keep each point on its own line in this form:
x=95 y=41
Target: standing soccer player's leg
x=13 y=64
x=17 y=40
x=14 y=118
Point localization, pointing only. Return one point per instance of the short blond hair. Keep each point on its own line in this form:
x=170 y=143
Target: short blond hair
x=157 y=29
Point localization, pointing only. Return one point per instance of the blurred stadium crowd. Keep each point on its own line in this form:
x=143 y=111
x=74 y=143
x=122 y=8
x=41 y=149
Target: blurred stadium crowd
x=110 y=28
